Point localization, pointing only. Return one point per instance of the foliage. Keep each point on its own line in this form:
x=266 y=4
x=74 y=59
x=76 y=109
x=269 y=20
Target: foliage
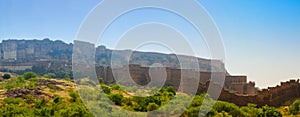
x=29 y=75
x=67 y=103
x=74 y=96
x=57 y=99
x=6 y=76
x=171 y=89
x=106 y=89
x=270 y=112
x=295 y=107
x=152 y=106
x=117 y=98
x=115 y=87
x=20 y=79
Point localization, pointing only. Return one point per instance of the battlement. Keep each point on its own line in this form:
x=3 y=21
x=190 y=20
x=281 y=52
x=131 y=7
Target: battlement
x=272 y=96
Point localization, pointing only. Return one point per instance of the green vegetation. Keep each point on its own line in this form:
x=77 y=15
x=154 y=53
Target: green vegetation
x=6 y=76
x=295 y=107
x=58 y=98
x=29 y=75
x=65 y=103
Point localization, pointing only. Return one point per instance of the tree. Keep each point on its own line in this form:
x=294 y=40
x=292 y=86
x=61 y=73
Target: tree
x=29 y=75
x=6 y=76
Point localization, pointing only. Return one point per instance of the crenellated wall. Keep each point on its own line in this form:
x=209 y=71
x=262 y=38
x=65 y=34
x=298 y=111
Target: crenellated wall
x=273 y=96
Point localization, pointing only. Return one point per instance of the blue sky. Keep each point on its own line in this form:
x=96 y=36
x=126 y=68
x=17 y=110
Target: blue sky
x=261 y=37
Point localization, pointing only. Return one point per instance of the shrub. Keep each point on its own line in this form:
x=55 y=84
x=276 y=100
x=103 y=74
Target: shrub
x=8 y=87
x=116 y=98
x=13 y=100
x=238 y=113
x=106 y=89
x=225 y=106
x=270 y=112
x=40 y=103
x=171 y=90
x=115 y=87
x=152 y=106
x=57 y=99
x=20 y=79
x=6 y=76
x=295 y=107
x=74 y=96
x=29 y=75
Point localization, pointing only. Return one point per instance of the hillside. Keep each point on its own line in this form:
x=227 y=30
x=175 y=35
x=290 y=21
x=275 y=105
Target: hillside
x=30 y=95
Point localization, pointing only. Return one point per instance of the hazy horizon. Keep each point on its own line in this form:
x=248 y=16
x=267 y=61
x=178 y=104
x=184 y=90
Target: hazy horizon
x=261 y=38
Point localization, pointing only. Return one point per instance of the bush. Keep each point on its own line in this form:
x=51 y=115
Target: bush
x=29 y=75
x=171 y=90
x=270 y=112
x=295 y=107
x=20 y=79
x=152 y=106
x=106 y=89
x=74 y=96
x=225 y=106
x=8 y=87
x=238 y=113
x=40 y=103
x=116 y=98
x=57 y=99
x=115 y=87
x=6 y=76
x=13 y=100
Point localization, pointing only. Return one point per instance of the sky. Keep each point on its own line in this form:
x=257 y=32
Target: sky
x=261 y=37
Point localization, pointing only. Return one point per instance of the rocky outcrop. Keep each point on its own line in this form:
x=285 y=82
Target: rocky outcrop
x=22 y=93
x=51 y=83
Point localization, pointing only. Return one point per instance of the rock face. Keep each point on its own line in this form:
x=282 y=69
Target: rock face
x=51 y=83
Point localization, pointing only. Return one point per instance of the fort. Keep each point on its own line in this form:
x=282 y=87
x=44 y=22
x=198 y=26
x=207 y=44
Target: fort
x=46 y=56
x=236 y=88
x=272 y=96
x=140 y=74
